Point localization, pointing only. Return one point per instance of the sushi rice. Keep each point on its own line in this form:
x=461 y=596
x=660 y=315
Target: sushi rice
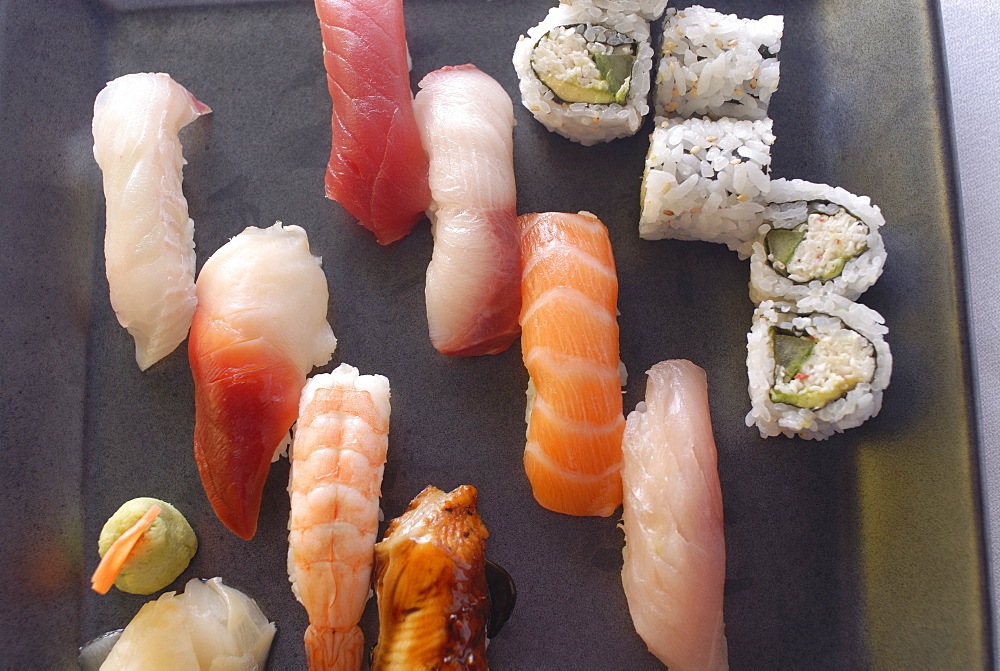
x=846 y=258
x=717 y=65
x=834 y=383
x=597 y=25
x=704 y=180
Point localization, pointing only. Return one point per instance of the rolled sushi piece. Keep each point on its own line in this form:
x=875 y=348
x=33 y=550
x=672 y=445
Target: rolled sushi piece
x=717 y=65
x=815 y=239
x=650 y=10
x=704 y=180
x=584 y=71
x=816 y=367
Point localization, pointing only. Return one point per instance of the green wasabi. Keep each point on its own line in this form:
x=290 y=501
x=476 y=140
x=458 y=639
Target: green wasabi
x=160 y=555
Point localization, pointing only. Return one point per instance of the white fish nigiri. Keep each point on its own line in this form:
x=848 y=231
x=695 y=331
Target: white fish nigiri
x=149 y=240
x=260 y=327
x=210 y=625
x=473 y=294
x=338 y=457
x=675 y=553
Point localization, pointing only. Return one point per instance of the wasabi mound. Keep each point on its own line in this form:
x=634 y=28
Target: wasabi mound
x=162 y=552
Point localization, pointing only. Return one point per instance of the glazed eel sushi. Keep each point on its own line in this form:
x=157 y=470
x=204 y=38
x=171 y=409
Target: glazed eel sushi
x=816 y=367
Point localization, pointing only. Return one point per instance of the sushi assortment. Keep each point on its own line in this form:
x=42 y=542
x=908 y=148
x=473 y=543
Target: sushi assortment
x=818 y=362
x=707 y=177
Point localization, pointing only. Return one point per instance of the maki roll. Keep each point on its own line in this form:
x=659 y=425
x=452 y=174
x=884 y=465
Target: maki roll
x=815 y=238
x=816 y=367
x=704 y=179
x=584 y=72
x=717 y=65
x=650 y=10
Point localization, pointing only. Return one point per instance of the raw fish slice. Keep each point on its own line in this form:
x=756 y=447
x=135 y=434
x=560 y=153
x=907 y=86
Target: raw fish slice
x=259 y=329
x=473 y=298
x=675 y=552
x=338 y=457
x=570 y=346
x=431 y=587
x=149 y=239
x=377 y=169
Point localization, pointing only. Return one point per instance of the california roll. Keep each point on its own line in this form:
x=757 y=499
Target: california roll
x=816 y=367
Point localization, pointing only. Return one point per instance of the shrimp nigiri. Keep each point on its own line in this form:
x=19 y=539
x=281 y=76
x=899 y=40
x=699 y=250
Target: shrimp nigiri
x=337 y=457
x=149 y=239
x=259 y=329
x=569 y=342
x=377 y=168
x=466 y=120
x=675 y=550
x=433 y=602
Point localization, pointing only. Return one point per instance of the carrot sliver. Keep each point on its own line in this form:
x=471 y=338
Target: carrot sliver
x=116 y=556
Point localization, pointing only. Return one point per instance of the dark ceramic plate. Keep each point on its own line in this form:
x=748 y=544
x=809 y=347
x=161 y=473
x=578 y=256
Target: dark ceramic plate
x=862 y=551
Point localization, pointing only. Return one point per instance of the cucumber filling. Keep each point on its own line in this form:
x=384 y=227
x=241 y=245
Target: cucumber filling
x=818 y=248
x=816 y=367
x=586 y=64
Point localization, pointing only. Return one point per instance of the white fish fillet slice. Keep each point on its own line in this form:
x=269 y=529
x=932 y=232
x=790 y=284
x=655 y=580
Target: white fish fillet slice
x=675 y=565
x=149 y=240
x=466 y=122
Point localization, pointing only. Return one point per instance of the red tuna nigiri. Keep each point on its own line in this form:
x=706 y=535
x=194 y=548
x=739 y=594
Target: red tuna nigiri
x=569 y=341
x=260 y=327
x=466 y=120
x=377 y=169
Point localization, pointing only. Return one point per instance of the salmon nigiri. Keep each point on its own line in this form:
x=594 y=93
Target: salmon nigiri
x=466 y=120
x=337 y=457
x=675 y=551
x=259 y=329
x=377 y=169
x=149 y=240
x=569 y=342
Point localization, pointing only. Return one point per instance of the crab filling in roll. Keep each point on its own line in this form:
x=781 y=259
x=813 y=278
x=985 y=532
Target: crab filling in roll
x=585 y=64
x=820 y=364
x=818 y=248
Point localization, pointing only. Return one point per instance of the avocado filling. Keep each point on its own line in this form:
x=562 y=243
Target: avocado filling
x=818 y=248
x=820 y=365
x=585 y=64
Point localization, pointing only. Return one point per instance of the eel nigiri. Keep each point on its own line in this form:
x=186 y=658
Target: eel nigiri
x=466 y=120
x=260 y=327
x=675 y=552
x=337 y=457
x=569 y=342
x=377 y=169
x=149 y=239
x=433 y=603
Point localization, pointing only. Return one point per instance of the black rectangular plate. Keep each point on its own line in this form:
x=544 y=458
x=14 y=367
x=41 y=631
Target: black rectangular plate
x=862 y=551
